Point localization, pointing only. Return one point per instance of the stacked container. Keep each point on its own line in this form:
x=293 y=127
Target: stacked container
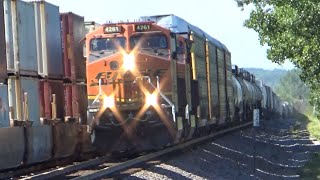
x=4 y=106
x=20 y=38
x=49 y=50
x=73 y=31
x=76 y=101
x=75 y=92
x=21 y=61
x=24 y=98
x=51 y=99
x=3 y=62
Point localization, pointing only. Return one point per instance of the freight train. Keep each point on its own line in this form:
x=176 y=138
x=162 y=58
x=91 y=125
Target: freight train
x=150 y=84
x=161 y=81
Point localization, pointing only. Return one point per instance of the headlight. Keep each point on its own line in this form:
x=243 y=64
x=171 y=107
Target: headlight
x=151 y=99
x=128 y=62
x=108 y=102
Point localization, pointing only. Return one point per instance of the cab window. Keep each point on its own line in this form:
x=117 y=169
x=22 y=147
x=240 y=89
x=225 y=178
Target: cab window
x=107 y=44
x=149 y=41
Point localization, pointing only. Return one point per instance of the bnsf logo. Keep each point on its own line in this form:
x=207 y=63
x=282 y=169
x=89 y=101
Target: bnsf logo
x=114 y=75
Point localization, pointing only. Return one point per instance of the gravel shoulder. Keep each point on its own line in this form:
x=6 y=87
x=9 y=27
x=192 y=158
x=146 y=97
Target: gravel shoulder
x=279 y=154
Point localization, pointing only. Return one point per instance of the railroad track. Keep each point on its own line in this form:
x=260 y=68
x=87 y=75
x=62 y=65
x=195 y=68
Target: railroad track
x=102 y=167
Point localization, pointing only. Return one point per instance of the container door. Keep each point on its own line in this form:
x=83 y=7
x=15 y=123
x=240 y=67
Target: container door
x=25 y=44
x=3 y=61
x=4 y=107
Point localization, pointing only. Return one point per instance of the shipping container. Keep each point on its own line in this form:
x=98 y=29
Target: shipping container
x=48 y=40
x=4 y=106
x=51 y=99
x=24 y=108
x=73 y=31
x=20 y=36
x=3 y=60
x=76 y=101
x=12 y=145
x=68 y=100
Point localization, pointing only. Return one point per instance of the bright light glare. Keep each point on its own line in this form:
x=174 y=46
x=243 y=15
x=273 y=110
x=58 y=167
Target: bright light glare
x=128 y=62
x=151 y=99
x=108 y=102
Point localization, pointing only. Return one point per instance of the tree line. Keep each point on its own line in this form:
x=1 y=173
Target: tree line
x=291 y=31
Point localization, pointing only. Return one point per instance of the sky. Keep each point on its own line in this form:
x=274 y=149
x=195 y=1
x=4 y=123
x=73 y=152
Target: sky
x=222 y=19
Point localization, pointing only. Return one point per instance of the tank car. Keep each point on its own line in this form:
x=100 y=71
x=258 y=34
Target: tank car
x=251 y=94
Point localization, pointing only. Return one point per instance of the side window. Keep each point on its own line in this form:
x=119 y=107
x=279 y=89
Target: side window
x=180 y=48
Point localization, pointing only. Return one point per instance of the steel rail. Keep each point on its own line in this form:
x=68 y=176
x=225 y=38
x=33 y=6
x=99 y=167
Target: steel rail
x=68 y=169
x=121 y=166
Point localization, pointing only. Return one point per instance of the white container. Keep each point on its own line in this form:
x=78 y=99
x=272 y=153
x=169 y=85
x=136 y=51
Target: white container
x=20 y=37
x=48 y=40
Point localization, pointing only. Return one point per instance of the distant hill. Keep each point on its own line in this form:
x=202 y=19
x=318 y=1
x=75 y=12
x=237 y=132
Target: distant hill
x=269 y=77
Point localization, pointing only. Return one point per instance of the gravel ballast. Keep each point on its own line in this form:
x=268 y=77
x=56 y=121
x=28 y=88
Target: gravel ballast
x=279 y=154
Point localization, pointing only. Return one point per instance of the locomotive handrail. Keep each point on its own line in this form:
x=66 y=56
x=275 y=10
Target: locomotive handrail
x=161 y=94
x=100 y=92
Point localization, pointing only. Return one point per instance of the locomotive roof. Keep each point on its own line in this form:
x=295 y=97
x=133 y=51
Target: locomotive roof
x=179 y=25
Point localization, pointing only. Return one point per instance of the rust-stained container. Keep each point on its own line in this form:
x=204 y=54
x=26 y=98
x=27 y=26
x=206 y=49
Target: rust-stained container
x=76 y=101
x=12 y=145
x=199 y=72
x=51 y=90
x=68 y=100
x=73 y=31
x=65 y=139
x=17 y=86
x=20 y=33
x=3 y=60
x=4 y=106
x=48 y=39
x=39 y=144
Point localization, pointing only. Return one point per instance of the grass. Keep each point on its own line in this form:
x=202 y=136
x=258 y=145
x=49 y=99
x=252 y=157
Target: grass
x=314 y=127
x=311 y=169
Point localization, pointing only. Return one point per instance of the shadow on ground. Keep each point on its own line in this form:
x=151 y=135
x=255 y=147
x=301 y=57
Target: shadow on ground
x=280 y=150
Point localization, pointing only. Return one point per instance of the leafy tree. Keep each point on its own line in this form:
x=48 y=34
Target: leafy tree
x=290 y=87
x=291 y=30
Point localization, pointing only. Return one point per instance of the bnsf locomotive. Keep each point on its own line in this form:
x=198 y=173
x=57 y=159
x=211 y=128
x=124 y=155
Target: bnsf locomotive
x=161 y=81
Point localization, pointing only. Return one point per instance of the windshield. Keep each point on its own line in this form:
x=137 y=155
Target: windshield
x=107 y=44
x=149 y=41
